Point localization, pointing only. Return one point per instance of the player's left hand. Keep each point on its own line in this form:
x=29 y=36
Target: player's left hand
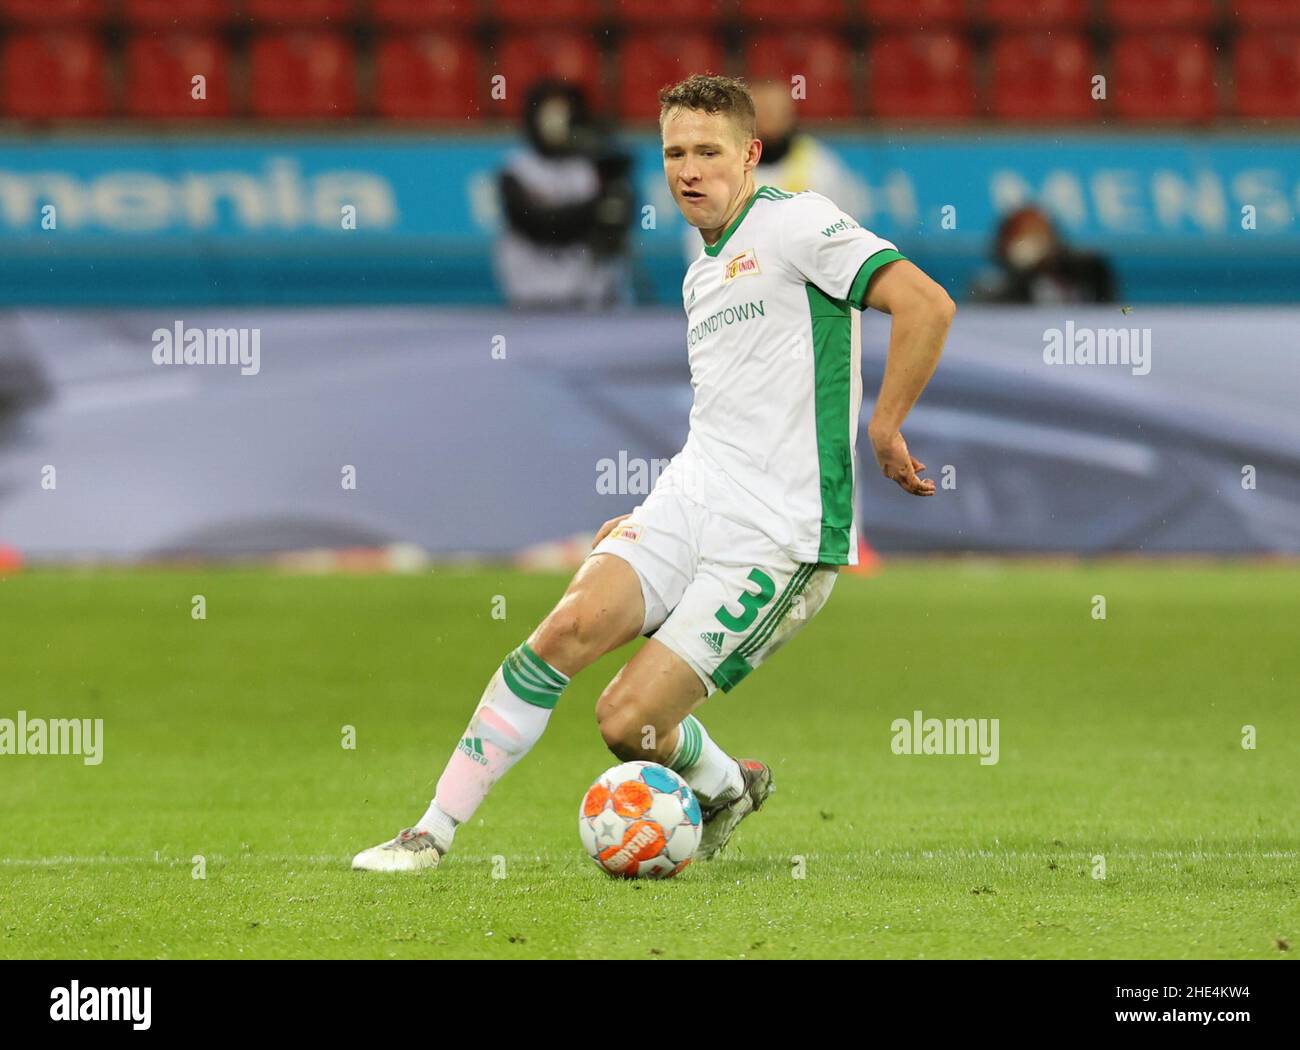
x=899 y=465
x=609 y=527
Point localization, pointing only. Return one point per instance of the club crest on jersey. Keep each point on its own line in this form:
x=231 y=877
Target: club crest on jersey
x=629 y=530
x=742 y=265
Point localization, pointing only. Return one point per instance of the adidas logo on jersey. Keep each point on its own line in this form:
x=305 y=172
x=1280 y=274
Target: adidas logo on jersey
x=473 y=746
x=714 y=640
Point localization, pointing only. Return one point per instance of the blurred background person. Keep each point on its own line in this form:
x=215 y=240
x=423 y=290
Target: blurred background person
x=567 y=201
x=793 y=160
x=1034 y=265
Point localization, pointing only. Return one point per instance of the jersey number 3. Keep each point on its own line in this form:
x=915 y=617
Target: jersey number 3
x=751 y=603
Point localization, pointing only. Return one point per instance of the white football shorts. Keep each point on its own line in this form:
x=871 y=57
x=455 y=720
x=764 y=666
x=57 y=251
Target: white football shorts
x=721 y=595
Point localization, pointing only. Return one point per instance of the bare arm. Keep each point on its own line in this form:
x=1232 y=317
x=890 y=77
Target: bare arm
x=922 y=312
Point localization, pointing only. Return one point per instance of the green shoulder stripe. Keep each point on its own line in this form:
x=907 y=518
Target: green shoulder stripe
x=858 y=290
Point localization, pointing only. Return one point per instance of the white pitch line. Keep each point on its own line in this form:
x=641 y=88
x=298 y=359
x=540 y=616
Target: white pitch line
x=488 y=858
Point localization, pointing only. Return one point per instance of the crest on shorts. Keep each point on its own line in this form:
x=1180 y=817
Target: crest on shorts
x=628 y=530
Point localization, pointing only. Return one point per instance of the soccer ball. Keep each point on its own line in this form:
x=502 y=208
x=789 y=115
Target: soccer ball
x=640 y=821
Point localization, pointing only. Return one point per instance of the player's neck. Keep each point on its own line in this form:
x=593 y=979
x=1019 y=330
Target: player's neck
x=711 y=237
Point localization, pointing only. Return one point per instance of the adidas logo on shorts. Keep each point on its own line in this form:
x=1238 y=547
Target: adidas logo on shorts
x=714 y=638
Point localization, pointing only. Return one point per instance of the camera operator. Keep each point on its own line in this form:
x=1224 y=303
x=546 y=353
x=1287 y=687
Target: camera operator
x=567 y=201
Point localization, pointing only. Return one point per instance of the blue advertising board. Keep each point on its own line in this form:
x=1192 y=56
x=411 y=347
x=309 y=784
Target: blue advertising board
x=411 y=219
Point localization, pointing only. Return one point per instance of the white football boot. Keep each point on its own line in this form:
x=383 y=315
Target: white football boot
x=722 y=819
x=412 y=850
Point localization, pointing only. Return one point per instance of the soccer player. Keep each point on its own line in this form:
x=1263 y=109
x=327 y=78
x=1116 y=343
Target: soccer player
x=754 y=517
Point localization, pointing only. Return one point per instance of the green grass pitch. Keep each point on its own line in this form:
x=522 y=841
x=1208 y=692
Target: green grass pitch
x=1120 y=738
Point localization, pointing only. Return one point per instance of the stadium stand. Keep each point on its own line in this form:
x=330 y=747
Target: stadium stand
x=948 y=61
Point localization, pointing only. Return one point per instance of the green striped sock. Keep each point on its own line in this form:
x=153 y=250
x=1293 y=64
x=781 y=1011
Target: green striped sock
x=690 y=742
x=713 y=775
x=532 y=679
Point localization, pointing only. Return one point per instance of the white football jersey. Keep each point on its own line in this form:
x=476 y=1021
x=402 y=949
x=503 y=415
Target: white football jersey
x=773 y=338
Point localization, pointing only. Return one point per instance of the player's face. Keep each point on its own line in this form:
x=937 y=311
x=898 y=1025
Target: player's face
x=707 y=162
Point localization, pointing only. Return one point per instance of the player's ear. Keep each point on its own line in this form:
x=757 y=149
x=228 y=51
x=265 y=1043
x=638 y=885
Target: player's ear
x=752 y=154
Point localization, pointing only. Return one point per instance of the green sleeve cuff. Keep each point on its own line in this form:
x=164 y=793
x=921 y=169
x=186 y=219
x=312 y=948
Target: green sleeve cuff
x=858 y=291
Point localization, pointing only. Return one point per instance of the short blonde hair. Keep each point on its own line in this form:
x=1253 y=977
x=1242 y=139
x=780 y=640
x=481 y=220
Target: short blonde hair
x=704 y=92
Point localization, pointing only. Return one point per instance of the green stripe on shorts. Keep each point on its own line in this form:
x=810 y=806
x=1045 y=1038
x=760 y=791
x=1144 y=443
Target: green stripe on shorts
x=732 y=671
x=769 y=623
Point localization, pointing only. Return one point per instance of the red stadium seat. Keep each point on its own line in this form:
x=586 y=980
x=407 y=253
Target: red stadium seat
x=1163 y=77
x=315 y=14
x=544 y=12
x=1159 y=14
x=302 y=74
x=1040 y=13
x=52 y=12
x=806 y=14
x=523 y=58
x=822 y=58
x=667 y=12
x=1043 y=77
x=1260 y=14
x=178 y=13
x=54 y=74
x=426 y=76
x=921 y=75
x=648 y=62
x=431 y=14
x=159 y=72
x=1266 y=68
x=915 y=14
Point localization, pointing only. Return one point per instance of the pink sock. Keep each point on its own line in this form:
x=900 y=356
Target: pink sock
x=503 y=729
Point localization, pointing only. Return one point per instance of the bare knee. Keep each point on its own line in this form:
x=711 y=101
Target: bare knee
x=571 y=637
x=625 y=730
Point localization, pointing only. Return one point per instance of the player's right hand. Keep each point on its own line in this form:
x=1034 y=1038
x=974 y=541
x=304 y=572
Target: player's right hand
x=899 y=465
x=609 y=527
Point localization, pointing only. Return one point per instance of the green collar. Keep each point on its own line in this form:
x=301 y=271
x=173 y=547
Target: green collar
x=711 y=250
